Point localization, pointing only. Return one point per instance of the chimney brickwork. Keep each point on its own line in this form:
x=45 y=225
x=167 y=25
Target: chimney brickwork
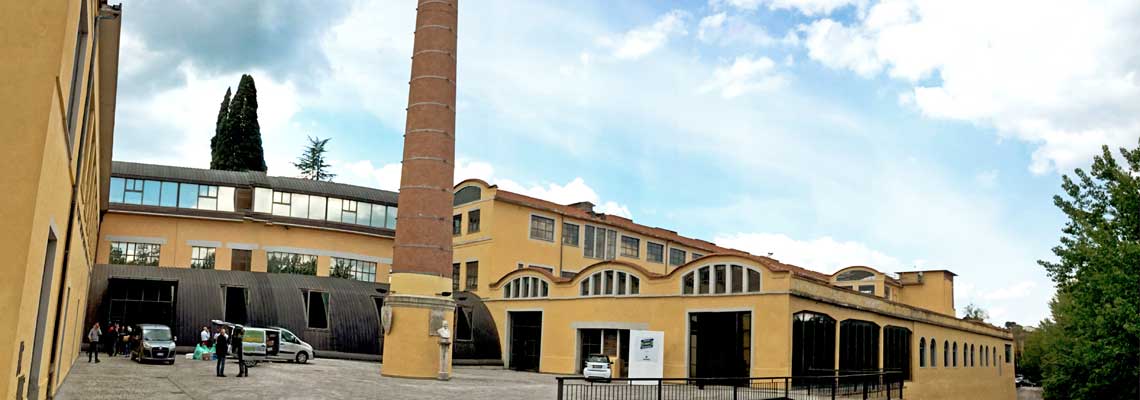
x=423 y=237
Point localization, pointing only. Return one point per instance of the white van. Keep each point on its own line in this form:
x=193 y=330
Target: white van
x=293 y=348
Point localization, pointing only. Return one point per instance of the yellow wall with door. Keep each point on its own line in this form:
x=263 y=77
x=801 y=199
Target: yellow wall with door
x=179 y=233
x=39 y=162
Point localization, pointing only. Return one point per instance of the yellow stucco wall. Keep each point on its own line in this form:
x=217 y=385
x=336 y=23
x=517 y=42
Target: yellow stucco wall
x=39 y=164
x=934 y=292
x=503 y=241
x=180 y=233
x=660 y=307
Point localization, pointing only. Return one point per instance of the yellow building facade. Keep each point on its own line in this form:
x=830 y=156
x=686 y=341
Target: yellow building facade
x=58 y=116
x=559 y=289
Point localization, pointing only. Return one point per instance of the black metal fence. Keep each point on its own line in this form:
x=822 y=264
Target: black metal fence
x=881 y=385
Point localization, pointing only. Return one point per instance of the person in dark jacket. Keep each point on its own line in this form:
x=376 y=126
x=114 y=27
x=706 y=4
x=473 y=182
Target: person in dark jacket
x=221 y=349
x=236 y=339
x=109 y=338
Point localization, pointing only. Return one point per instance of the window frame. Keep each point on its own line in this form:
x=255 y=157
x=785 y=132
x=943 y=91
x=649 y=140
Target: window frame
x=566 y=239
x=673 y=251
x=197 y=259
x=532 y=228
x=694 y=284
x=473 y=219
x=326 y=298
x=630 y=252
x=129 y=251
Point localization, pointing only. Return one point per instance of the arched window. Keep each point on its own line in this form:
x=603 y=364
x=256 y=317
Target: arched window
x=973 y=351
x=921 y=352
x=985 y=356
x=813 y=344
x=858 y=345
x=896 y=350
x=721 y=279
x=526 y=287
x=933 y=353
x=610 y=282
x=955 y=364
x=467 y=195
x=855 y=275
x=945 y=354
x=965 y=354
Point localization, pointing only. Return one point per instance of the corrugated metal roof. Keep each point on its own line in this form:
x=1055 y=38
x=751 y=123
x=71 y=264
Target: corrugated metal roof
x=252 y=179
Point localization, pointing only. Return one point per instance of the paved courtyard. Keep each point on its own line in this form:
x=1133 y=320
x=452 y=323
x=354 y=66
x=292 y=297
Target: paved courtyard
x=119 y=378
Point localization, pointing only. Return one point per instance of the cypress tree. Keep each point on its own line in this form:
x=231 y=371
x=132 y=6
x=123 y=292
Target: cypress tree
x=239 y=140
x=223 y=113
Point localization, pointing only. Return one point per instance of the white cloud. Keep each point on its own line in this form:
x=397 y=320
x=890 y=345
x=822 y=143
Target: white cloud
x=640 y=41
x=822 y=254
x=723 y=29
x=805 y=7
x=1015 y=291
x=364 y=173
x=987 y=179
x=745 y=75
x=1064 y=90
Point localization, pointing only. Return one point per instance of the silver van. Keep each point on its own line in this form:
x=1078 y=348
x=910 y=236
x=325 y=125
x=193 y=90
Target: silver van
x=293 y=348
x=152 y=342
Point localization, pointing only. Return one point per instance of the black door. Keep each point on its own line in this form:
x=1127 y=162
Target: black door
x=526 y=340
x=719 y=344
x=236 y=305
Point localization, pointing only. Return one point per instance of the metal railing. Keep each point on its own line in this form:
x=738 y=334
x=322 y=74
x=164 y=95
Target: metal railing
x=878 y=385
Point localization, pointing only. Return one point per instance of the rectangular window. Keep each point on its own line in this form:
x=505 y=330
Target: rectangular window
x=133 y=191
x=721 y=279
x=1008 y=353
x=703 y=284
x=316 y=309
x=291 y=263
x=299 y=208
x=262 y=200
x=868 y=289
x=241 y=260
x=737 y=279
x=152 y=190
x=348 y=211
x=696 y=256
x=588 y=246
x=135 y=253
x=654 y=252
x=472 y=275
x=282 y=203
x=169 y=195
x=316 y=207
x=377 y=216
x=473 y=221
x=456 y=224
x=207 y=197
x=630 y=247
x=391 y=218
x=334 y=209
x=753 y=280
x=676 y=256
x=187 y=195
x=363 y=213
x=353 y=269
x=116 y=192
x=541 y=228
x=454 y=277
x=570 y=234
x=202 y=257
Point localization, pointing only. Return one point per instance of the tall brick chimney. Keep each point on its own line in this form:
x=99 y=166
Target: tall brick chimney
x=423 y=237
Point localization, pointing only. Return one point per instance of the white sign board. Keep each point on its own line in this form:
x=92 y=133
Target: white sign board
x=646 y=355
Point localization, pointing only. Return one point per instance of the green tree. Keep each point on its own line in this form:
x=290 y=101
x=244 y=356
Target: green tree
x=237 y=141
x=1092 y=349
x=223 y=113
x=975 y=312
x=312 y=162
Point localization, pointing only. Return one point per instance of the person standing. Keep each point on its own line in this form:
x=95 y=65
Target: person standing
x=239 y=334
x=222 y=346
x=109 y=339
x=204 y=336
x=93 y=342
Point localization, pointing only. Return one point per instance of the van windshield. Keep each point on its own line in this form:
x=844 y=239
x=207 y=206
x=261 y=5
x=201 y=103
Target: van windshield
x=156 y=335
x=598 y=358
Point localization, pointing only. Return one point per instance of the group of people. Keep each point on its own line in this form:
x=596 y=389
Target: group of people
x=224 y=343
x=115 y=341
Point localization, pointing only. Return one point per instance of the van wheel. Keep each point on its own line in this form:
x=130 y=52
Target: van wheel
x=302 y=358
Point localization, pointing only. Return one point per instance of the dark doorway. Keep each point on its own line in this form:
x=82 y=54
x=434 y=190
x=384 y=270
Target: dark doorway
x=379 y=324
x=138 y=301
x=240 y=260
x=611 y=342
x=235 y=303
x=41 y=317
x=813 y=345
x=720 y=344
x=858 y=349
x=526 y=340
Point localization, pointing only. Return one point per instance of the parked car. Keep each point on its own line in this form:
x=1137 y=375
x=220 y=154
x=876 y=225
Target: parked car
x=152 y=342
x=293 y=348
x=598 y=367
x=258 y=344
x=1020 y=381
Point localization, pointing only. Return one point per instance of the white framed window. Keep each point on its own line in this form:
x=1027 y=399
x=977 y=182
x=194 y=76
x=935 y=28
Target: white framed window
x=526 y=287
x=630 y=247
x=676 y=256
x=610 y=282
x=541 y=228
x=202 y=257
x=721 y=279
x=654 y=252
x=600 y=243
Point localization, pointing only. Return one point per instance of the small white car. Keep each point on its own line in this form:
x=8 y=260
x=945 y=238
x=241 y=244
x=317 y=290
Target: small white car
x=598 y=367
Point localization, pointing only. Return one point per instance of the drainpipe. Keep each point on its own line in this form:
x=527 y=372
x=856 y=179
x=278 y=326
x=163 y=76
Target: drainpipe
x=112 y=12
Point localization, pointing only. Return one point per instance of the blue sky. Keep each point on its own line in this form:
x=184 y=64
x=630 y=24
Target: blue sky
x=899 y=134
